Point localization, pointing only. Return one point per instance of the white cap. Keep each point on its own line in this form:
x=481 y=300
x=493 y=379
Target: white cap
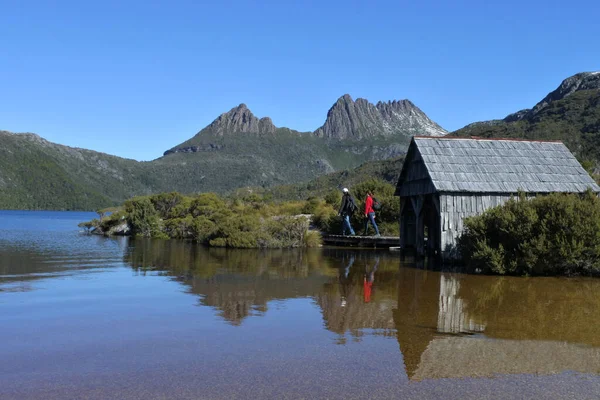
x=345 y=190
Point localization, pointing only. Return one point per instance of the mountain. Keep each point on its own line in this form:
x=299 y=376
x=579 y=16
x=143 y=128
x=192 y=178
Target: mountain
x=359 y=119
x=570 y=113
x=236 y=150
x=38 y=174
x=346 y=120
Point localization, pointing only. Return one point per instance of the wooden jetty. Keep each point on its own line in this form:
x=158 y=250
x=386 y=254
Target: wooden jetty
x=380 y=242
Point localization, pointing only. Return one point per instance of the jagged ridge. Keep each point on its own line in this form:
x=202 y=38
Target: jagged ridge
x=346 y=119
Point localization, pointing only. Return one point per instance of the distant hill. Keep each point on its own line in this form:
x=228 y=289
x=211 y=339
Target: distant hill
x=570 y=113
x=236 y=150
x=37 y=174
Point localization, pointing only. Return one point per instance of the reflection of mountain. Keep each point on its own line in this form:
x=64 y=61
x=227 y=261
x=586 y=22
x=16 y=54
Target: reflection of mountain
x=447 y=325
x=237 y=297
x=238 y=283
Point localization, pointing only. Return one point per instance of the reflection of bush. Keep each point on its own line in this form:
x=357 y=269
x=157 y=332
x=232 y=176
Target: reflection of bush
x=237 y=283
x=185 y=259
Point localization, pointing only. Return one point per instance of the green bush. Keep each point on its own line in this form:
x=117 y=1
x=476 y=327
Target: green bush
x=246 y=220
x=285 y=232
x=164 y=203
x=180 y=228
x=333 y=198
x=557 y=234
x=325 y=219
x=142 y=217
x=313 y=239
x=89 y=225
x=311 y=205
x=203 y=229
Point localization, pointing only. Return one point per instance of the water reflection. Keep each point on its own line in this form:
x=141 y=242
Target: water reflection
x=24 y=263
x=446 y=324
x=452 y=314
x=237 y=283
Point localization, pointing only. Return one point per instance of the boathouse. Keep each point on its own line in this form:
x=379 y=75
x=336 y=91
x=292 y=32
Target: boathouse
x=444 y=180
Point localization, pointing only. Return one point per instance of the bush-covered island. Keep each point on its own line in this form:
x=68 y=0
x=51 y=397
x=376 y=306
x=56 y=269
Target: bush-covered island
x=243 y=220
x=555 y=234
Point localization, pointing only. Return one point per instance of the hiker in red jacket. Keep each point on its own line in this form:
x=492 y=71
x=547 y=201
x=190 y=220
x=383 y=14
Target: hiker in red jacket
x=370 y=214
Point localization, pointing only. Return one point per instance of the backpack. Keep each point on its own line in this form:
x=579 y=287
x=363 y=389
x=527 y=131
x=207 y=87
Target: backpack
x=376 y=204
x=352 y=207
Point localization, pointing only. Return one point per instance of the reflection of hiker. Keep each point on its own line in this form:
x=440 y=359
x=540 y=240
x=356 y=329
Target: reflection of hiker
x=370 y=214
x=368 y=280
x=345 y=280
x=346 y=210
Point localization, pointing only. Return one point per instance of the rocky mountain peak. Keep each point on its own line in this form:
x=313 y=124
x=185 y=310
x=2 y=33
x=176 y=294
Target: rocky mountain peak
x=575 y=83
x=349 y=119
x=241 y=119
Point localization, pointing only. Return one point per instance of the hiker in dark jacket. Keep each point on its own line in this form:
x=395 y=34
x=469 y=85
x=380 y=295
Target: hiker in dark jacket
x=346 y=209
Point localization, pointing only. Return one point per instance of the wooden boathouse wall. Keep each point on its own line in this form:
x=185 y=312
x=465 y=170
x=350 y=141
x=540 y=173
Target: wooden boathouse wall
x=455 y=207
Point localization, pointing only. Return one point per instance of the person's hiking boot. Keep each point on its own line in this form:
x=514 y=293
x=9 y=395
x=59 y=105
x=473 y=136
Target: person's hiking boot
x=378 y=235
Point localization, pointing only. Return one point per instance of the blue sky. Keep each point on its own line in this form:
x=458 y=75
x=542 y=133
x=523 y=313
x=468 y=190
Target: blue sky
x=134 y=78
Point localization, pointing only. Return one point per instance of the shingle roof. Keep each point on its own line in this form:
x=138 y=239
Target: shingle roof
x=502 y=166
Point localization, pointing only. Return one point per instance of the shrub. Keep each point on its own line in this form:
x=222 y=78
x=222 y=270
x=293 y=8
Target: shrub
x=389 y=228
x=179 y=228
x=291 y=208
x=557 y=234
x=207 y=204
x=313 y=239
x=164 y=202
x=203 y=229
x=142 y=217
x=285 y=232
x=93 y=224
x=333 y=198
x=311 y=205
x=325 y=219
x=245 y=221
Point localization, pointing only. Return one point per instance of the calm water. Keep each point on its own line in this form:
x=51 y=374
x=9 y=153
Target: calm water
x=89 y=317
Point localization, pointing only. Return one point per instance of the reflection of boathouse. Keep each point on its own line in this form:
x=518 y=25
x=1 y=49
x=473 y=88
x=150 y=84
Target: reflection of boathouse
x=479 y=326
x=444 y=180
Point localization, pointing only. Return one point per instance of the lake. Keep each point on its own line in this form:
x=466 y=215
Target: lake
x=84 y=316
